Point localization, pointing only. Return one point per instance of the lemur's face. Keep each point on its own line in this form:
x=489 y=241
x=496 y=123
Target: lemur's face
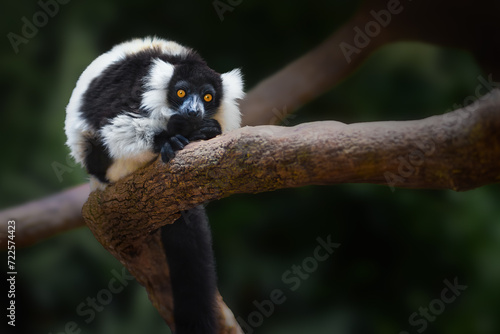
x=194 y=91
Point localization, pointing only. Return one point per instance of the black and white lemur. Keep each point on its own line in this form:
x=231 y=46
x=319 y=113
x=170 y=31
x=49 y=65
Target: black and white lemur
x=143 y=98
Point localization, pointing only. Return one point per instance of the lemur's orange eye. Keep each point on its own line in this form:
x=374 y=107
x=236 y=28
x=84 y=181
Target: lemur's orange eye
x=208 y=97
x=181 y=93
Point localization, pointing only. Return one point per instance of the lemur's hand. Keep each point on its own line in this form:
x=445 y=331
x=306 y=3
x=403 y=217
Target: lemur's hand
x=173 y=139
x=181 y=131
x=208 y=129
x=180 y=125
x=167 y=145
x=194 y=129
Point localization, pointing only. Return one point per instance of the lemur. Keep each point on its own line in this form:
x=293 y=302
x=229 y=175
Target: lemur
x=147 y=97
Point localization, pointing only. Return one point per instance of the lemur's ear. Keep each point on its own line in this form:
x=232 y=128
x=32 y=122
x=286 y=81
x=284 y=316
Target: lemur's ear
x=232 y=84
x=155 y=88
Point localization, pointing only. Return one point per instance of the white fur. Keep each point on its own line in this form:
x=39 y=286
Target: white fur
x=129 y=140
x=140 y=44
x=229 y=115
x=128 y=136
x=156 y=83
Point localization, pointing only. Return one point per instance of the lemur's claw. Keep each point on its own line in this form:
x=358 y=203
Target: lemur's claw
x=182 y=139
x=176 y=144
x=172 y=145
x=197 y=136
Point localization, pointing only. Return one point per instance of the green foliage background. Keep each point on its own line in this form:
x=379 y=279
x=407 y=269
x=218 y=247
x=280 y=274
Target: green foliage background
x=396 y=249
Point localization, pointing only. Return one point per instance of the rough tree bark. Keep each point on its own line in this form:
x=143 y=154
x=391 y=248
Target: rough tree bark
x=458 y=150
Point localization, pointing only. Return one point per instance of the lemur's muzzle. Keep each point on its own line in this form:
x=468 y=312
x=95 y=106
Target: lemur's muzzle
x=192 y=107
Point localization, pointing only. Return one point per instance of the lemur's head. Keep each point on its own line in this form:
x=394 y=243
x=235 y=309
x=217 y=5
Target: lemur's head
x=195 y=90
x=187 y=87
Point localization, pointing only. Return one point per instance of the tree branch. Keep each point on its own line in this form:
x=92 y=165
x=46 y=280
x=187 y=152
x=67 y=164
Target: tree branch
x=459 y=150
x=41 y=219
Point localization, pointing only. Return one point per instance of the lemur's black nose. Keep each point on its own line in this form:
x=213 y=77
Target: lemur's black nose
x=193 y=112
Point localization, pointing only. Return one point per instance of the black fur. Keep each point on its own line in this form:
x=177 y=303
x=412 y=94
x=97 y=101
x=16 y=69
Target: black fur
x=188 y=246
x=97 y=160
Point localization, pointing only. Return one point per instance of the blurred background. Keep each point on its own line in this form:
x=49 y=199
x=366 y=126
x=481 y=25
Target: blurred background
x=397 y=248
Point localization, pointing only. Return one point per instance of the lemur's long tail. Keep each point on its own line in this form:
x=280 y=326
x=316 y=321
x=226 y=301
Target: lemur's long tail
x=188 y=246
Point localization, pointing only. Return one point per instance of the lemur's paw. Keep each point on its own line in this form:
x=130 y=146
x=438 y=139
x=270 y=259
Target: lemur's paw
x=208 y=130
x=181 y=125
x=172 y=145
x=179 y=142
x=195 y=136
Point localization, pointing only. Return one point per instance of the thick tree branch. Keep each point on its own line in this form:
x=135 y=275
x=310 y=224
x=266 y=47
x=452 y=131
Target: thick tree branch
x=458 y=150
x=41 y=219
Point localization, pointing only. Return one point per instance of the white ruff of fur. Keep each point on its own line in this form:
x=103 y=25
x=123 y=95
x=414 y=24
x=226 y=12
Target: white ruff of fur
x=229 y=115
x=155 y=89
